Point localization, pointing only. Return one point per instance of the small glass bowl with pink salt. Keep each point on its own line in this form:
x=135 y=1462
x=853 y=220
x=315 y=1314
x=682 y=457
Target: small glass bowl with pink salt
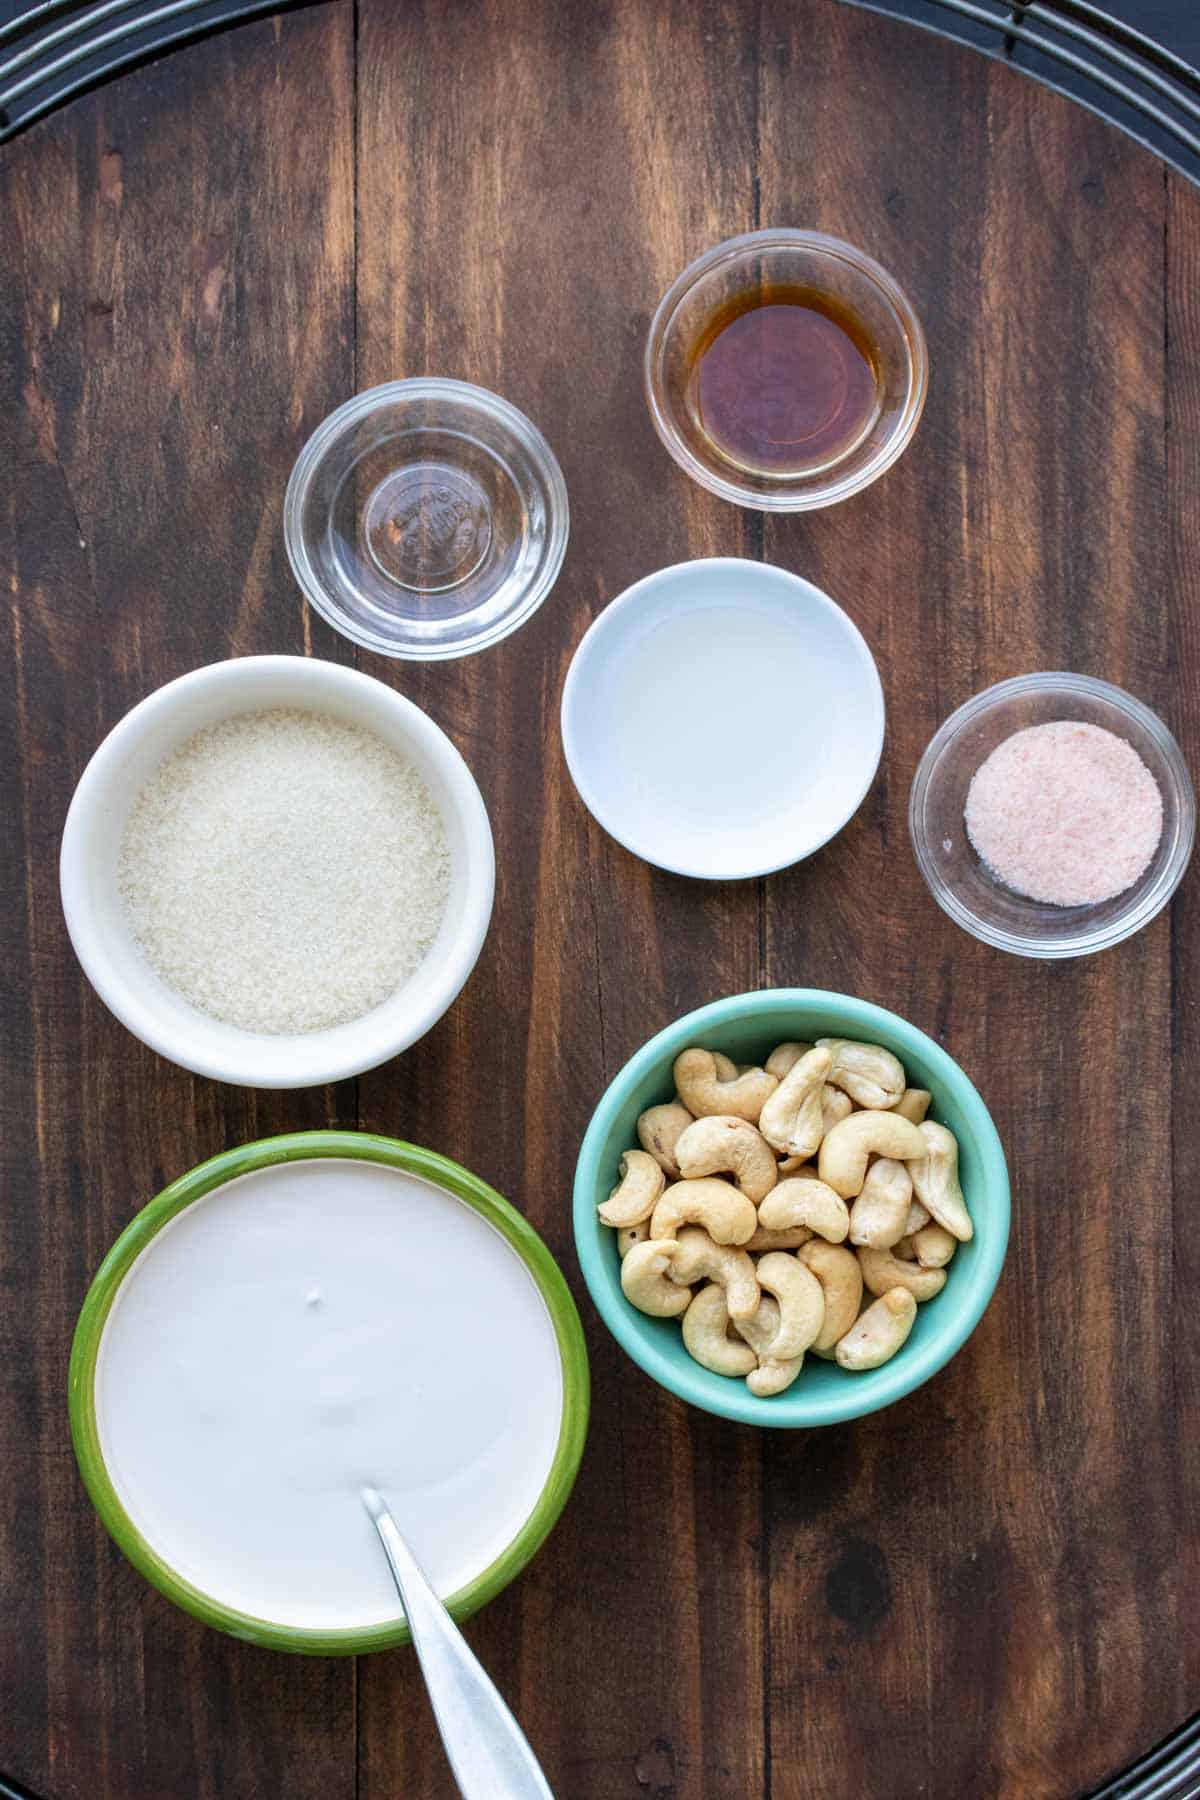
x=1052 y=815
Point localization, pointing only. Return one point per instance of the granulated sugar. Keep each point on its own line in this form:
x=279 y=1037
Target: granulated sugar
x=1066 y=813
x=285 y=872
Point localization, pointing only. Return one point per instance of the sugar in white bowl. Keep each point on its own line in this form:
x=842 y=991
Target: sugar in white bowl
x=372 y=837
x=285 y=871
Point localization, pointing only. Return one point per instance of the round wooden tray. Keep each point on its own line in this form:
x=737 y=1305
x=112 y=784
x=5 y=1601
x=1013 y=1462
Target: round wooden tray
x=988 y=1589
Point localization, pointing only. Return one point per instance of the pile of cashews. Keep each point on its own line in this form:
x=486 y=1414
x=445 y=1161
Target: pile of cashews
x=805 y=1205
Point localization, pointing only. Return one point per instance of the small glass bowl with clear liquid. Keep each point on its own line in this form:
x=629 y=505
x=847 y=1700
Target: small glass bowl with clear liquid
x=426 y=518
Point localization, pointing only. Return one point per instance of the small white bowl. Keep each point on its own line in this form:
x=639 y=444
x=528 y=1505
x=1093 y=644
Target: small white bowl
x=100 y=929
x=722 y=718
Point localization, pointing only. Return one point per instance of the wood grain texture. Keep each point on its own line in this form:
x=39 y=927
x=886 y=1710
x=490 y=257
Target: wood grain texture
x=502 y=241
x=176 y=308
x=1181 y=676
x=1020 y=533
x=983 y=1591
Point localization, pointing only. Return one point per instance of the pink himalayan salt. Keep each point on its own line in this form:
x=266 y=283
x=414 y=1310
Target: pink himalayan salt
x=1065 y=813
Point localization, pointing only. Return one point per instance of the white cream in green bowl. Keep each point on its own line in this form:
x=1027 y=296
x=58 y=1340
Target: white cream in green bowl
x=302 y=1316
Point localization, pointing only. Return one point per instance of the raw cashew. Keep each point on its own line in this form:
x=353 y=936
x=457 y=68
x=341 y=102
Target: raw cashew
x=917 y=1219
x=880 y=1331
x=871 y=1075
x=706 y=1335
x=837 y=1270
x=722 y=1142
x=799 y=1201
x=631 y=1235
x=644 y=1281
x=634 y=1198
x=659 y=1130
x=704 y=1093
x=934 y=1246
x=762 y=1327
x=771 y=1376
x=801 y=1304
x=791 y=1117
x=879 y=1214
x=791 y=1237
x=835 y=1106
x=766 y=1204
x=698 y=1258
x=727 y=1216
x=881 y=1271
x=843 y=1159
x=935 y=1180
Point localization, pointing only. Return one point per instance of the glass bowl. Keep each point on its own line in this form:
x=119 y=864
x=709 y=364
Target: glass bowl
x=852 y=283
x=426 y=518
x=961 y=883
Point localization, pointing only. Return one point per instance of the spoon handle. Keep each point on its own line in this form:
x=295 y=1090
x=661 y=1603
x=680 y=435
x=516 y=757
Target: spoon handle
x=488 y=1751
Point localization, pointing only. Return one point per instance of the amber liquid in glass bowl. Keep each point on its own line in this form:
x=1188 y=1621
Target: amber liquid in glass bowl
x=783 y=380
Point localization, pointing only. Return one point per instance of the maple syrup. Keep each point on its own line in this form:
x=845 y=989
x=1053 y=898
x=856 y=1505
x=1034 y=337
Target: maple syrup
x=783 y=380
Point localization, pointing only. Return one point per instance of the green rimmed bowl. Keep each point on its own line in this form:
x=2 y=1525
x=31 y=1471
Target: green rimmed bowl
x=747 y=1027
x=302 y=1147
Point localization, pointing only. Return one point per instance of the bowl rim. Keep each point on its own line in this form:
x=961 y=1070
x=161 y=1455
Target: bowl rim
x=915 y=1364
x=312 y=677
x=832 y=491
x=626 y=601
x=1139 y=911
x=361 y=405
x=304 y=1146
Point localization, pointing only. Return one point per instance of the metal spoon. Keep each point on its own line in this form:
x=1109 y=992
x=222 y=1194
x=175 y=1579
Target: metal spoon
x=488 y=1751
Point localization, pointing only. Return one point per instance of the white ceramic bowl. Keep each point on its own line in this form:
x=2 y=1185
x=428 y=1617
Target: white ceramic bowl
x=99 y=927
x=723 y=718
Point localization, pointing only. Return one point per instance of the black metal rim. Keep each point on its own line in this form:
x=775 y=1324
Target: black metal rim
x=1171 y=1771
x=57 y=48
x=1078 y=49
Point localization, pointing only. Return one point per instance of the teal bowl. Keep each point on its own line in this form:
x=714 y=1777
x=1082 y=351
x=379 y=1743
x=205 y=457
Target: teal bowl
x=747 y=1027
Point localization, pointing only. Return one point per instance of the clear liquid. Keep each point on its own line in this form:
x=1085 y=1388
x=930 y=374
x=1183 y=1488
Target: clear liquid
x=723 y=722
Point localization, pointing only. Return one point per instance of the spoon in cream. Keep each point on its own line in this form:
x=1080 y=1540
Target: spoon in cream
x=487 y=1749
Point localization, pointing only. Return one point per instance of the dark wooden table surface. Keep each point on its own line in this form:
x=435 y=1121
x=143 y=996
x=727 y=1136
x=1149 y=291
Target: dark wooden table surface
x=988 y=1590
